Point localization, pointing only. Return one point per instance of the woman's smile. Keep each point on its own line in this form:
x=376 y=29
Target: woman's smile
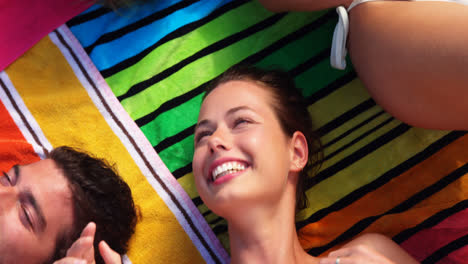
x=224 y=169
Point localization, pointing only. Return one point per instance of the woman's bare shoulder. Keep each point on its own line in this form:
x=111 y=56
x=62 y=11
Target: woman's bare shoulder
x=383 y=245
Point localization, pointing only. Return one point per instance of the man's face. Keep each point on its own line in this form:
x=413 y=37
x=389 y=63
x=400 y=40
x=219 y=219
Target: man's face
x=35 y=207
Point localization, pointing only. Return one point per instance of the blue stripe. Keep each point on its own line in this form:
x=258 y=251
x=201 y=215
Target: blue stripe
x=87 y=33
x=109 y=54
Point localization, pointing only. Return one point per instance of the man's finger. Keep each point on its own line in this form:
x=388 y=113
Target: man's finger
x=81 y=247
x=109 y=255
x=89 y=230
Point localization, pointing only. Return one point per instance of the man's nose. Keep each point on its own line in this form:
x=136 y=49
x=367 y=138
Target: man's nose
x=8 y=197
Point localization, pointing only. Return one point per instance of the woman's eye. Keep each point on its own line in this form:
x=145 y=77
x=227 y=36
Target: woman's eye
x=240 y=121
x=199 y=136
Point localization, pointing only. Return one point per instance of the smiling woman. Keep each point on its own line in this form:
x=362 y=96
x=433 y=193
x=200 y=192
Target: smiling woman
x=254 y=145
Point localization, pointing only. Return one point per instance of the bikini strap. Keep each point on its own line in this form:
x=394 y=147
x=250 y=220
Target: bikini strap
x=340 y=36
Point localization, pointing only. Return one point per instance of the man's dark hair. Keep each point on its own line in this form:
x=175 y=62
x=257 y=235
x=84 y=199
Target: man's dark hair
x=99 y=195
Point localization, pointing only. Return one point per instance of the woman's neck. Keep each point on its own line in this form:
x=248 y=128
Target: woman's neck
x=261 y=235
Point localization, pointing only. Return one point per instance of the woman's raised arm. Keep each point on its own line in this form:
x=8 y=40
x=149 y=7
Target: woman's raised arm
x=413 y=59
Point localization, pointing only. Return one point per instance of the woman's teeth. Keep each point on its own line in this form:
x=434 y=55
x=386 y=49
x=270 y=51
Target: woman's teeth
x=226 y=168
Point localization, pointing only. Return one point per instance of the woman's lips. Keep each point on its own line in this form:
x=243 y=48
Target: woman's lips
x=227 y=177
x=226 y=168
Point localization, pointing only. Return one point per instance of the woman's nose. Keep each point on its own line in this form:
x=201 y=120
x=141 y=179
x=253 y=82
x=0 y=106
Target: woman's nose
x=219 y=140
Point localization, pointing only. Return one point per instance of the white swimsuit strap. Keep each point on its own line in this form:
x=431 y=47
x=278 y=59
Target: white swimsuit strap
x=340 y=36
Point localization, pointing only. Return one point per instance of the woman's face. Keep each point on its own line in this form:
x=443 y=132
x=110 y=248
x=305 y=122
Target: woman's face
x=242 y=157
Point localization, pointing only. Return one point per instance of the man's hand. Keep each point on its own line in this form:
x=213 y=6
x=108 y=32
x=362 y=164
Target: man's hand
x=82 y=250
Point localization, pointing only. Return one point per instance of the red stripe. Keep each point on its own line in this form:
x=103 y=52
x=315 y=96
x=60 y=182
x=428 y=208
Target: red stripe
x=14 y=149
x=427 y=241
x=456 y=257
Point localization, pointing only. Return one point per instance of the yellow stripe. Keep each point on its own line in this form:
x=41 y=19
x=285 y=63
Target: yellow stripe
x=338 y=102
x=67 y=116
x=348 y=150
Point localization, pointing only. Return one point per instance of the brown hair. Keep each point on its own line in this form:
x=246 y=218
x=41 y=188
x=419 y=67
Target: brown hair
x=98 y=194
x=291 y=109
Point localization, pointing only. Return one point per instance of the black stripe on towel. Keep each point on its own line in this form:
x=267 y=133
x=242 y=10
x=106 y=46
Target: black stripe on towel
x=139 y=87
x=345 y=117
x=351 y=130
x=221 y=228
x=23 y=118
x=382 y=180
x=198 y=201
x=359 y=138
x=431 y=221
x=169 y=141
x=252 y=59
x=173 y=35
x=215 y=221
x=82 y=18
x=301 y=68
x=446 y=250
x=359 y=154
x=113 y=35
x=182 y=171
x=338 y=83
x=139 y=151
x=412 y=201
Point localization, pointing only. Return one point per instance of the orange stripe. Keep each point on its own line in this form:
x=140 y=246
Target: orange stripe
x=393 y=193
x=14 y=149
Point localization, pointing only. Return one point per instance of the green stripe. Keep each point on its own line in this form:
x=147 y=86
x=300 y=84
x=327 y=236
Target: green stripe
x=173 y=121
x=319 y=77
x=178 y=155
x=300 y=50
x=176 y=50
x=206 y=68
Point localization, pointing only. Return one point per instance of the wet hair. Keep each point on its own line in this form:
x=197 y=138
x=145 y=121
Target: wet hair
x=290 y=108
x=99 y=195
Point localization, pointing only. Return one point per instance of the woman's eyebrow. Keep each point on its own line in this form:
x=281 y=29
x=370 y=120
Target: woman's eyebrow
x=239 y=108
x=206 y=122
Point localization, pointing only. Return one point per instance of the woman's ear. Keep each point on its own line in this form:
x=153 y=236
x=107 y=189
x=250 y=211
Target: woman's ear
x=299 y=152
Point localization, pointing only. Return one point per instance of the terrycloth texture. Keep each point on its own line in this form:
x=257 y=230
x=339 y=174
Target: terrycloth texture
x=54 y=96
x=25 y=22
x=379 y=174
